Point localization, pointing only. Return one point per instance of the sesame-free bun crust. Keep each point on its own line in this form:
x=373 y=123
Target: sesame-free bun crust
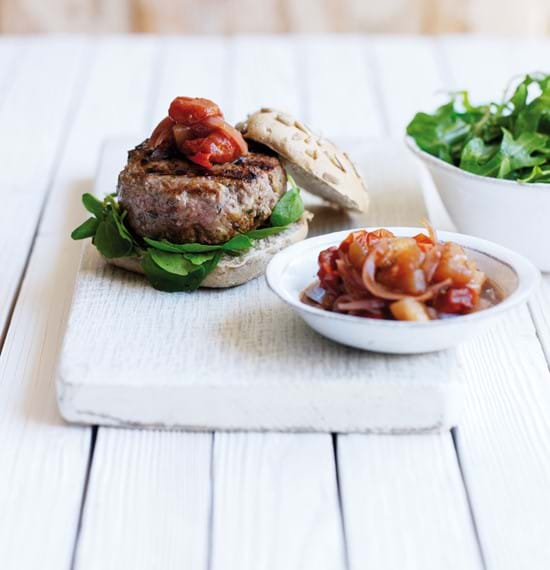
x=316 y=164
x=232 y=271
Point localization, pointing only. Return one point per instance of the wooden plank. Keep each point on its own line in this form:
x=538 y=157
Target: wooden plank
x=116 y=105
x=408 y=78
x=540 y=312
x=404 y=504
x=12 y=51
x=275 y=499
x=277 y=86
x=148 y=502
x=340 y=99
x=534 y=56
x=403 y=499
x=28 y=121
x=43 y=463
x=162 y=517
x=190 y=76
x=504 y=444
x=275 y=503
x=503 y=441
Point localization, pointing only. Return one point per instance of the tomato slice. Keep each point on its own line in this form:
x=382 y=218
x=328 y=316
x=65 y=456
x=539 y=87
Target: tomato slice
x=216 y=148
x=189 y=111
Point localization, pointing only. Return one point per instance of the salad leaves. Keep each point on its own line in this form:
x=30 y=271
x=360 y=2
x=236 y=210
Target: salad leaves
x=169 y=266
x=509 y=139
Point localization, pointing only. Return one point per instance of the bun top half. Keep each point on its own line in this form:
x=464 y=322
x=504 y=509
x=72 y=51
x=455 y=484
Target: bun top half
x=316 y=163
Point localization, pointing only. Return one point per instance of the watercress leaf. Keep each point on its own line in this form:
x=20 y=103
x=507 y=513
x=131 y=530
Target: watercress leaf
x=165 y=245
x=85 y=230
x=175 y=263
x=199 y=258
x=240 y=242
x=119 y=222
x=93 y=205
x=109 y=241
x=165 y=280
x=266 y=232
x=288 y=209
x=171 y=282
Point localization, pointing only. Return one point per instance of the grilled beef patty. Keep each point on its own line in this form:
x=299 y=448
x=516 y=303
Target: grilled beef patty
x=167 y=196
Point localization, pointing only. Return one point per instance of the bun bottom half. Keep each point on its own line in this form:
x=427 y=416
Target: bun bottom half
x=233 y=271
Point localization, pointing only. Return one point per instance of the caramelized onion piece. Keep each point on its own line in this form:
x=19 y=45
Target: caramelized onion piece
x=162 y=133
x=431 y=231
x=369 y=280
x=431 y=261
x=368 y=275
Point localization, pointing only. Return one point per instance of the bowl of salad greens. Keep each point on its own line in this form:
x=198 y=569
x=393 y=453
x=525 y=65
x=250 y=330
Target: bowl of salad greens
x=491 y=164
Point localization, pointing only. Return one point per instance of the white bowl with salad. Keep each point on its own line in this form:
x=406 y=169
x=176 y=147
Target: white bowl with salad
x=491 y=165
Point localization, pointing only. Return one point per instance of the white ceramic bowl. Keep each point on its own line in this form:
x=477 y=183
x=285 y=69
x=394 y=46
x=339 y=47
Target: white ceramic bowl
x=504 y=211
x=294 y=268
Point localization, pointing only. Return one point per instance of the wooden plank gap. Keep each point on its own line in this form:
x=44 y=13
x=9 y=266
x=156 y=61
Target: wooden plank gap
x=340 y=502
x=93 y=439
x=210 y=538
x=538 y=332
x=454 y=436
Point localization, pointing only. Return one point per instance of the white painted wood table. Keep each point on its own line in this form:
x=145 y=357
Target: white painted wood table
x=88 y=498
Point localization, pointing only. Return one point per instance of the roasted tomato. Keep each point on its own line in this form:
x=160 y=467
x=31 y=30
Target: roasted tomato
x=328 y=272
x=189 y=111
x=197 y=129
x=216 y=148
x=456 y=301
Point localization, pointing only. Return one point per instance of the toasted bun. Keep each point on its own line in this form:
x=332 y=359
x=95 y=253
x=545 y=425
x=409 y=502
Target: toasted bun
x=316 y=163
x=237 y=270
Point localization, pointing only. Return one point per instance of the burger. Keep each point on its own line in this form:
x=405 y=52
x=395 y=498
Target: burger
x=201 y=203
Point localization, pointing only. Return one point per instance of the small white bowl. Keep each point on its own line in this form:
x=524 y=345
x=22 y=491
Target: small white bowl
x=510 y=213
x=294 y=268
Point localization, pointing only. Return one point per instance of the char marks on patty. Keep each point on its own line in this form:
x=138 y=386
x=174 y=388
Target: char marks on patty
x=169 y=197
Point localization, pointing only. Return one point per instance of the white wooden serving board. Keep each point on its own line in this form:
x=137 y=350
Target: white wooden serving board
x=238 y=359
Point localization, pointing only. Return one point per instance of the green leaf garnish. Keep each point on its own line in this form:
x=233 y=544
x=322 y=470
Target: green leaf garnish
x=289 y=208
x=508 y=139
x=239 y=243
x=170 y=266
x=86 y=229
x=169 y=272
x=174 y=263
x=165 y=245
x=266 y=232
x=110 y=241
x=92 y=204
